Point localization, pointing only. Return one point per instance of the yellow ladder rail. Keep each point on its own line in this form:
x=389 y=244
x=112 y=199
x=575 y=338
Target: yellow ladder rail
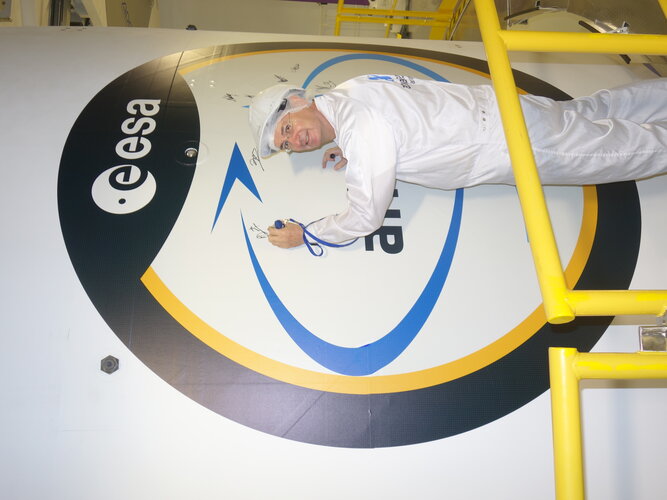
x=561 y=304
x=567 y=367
x=457 y=15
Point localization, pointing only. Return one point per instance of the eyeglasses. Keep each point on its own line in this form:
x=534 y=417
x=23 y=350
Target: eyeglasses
x=285 y=132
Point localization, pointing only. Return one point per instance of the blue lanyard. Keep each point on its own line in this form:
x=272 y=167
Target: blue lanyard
x=317 y=242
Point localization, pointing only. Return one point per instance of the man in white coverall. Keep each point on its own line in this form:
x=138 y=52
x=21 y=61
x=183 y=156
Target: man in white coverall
x=447 y=136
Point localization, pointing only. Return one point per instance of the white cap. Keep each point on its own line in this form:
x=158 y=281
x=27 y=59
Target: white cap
x=265 y=110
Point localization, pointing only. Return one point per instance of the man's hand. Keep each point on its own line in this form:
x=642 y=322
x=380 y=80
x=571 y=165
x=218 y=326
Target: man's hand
x=331 y=154
x=286 y=237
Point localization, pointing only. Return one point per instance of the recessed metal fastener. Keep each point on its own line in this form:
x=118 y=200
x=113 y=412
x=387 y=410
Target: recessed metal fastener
x=109 y=364
x=191 y=152
x=653 y=338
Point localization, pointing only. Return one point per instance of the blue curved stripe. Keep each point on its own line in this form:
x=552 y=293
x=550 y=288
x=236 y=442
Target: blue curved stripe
x=369 y=358
x=378 y=57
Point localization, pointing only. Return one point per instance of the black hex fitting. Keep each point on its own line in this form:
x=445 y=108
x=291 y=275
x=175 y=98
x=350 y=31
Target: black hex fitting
x=109 y=364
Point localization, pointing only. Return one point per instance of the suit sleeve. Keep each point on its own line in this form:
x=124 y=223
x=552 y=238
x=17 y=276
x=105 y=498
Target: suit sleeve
x=368 y=143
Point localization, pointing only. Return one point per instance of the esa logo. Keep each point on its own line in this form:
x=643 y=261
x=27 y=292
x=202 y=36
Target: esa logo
x=126 y=188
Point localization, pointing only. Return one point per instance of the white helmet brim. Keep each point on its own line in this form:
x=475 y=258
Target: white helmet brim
x=266 y=108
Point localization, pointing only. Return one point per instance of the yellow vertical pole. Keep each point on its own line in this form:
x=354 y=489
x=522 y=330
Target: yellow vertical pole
x=339 y=8
x=566 y=414
x=534 y=207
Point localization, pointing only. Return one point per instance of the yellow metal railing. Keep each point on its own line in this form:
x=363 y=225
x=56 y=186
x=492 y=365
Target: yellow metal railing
x=457 y=15
x=437 y=20
x=560 y=303
x=567 y=367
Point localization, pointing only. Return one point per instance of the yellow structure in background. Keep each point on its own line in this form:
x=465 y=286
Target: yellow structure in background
x=567 y=367
x=438 y=20
x=560 y=303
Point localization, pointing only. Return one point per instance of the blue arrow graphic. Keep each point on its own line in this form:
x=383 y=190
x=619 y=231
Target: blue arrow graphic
x=238 y=169
x=369 y=358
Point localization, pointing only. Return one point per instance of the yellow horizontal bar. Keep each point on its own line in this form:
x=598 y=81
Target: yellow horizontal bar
x=613 y=302
x=620 y=366
x=390 y=20
x=599 y=43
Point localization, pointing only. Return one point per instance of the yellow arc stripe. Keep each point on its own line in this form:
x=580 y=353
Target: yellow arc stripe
x=383 y=383
x=188 y=68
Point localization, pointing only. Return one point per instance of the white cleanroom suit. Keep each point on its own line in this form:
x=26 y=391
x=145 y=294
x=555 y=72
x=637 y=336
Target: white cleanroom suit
x=447 y=136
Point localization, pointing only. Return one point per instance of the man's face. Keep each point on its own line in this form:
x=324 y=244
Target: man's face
x=299 y=131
